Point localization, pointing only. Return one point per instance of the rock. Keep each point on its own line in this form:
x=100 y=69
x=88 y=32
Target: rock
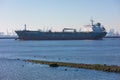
x=18 y=59
x=22 y=65
x=65 y=69
x=54 y=65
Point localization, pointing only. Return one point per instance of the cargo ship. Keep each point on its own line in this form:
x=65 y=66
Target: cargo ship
x=97 y=33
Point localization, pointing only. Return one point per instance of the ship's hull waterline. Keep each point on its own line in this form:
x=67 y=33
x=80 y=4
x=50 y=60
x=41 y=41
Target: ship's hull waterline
x=37 y=35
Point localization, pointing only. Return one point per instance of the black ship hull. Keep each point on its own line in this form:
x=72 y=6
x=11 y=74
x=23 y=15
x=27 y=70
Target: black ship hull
x=37 y=35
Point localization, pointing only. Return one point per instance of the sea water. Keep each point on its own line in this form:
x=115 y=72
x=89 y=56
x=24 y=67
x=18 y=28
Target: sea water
x=106 y=51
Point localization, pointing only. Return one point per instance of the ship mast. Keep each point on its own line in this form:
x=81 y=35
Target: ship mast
x=92 y=22
x=25 y=27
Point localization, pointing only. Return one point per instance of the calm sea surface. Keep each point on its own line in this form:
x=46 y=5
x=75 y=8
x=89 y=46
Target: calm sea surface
x=106 y=51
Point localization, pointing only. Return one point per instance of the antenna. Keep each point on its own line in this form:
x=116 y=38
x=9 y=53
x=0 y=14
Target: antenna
x=25 y=27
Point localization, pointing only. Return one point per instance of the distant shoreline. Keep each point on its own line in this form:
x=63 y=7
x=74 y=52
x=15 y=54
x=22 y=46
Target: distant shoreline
x=112 y=37
x=8 y=37
x=16 y=37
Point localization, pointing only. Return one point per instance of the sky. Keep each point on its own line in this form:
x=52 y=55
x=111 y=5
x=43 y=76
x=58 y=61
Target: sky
x=58 y=14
